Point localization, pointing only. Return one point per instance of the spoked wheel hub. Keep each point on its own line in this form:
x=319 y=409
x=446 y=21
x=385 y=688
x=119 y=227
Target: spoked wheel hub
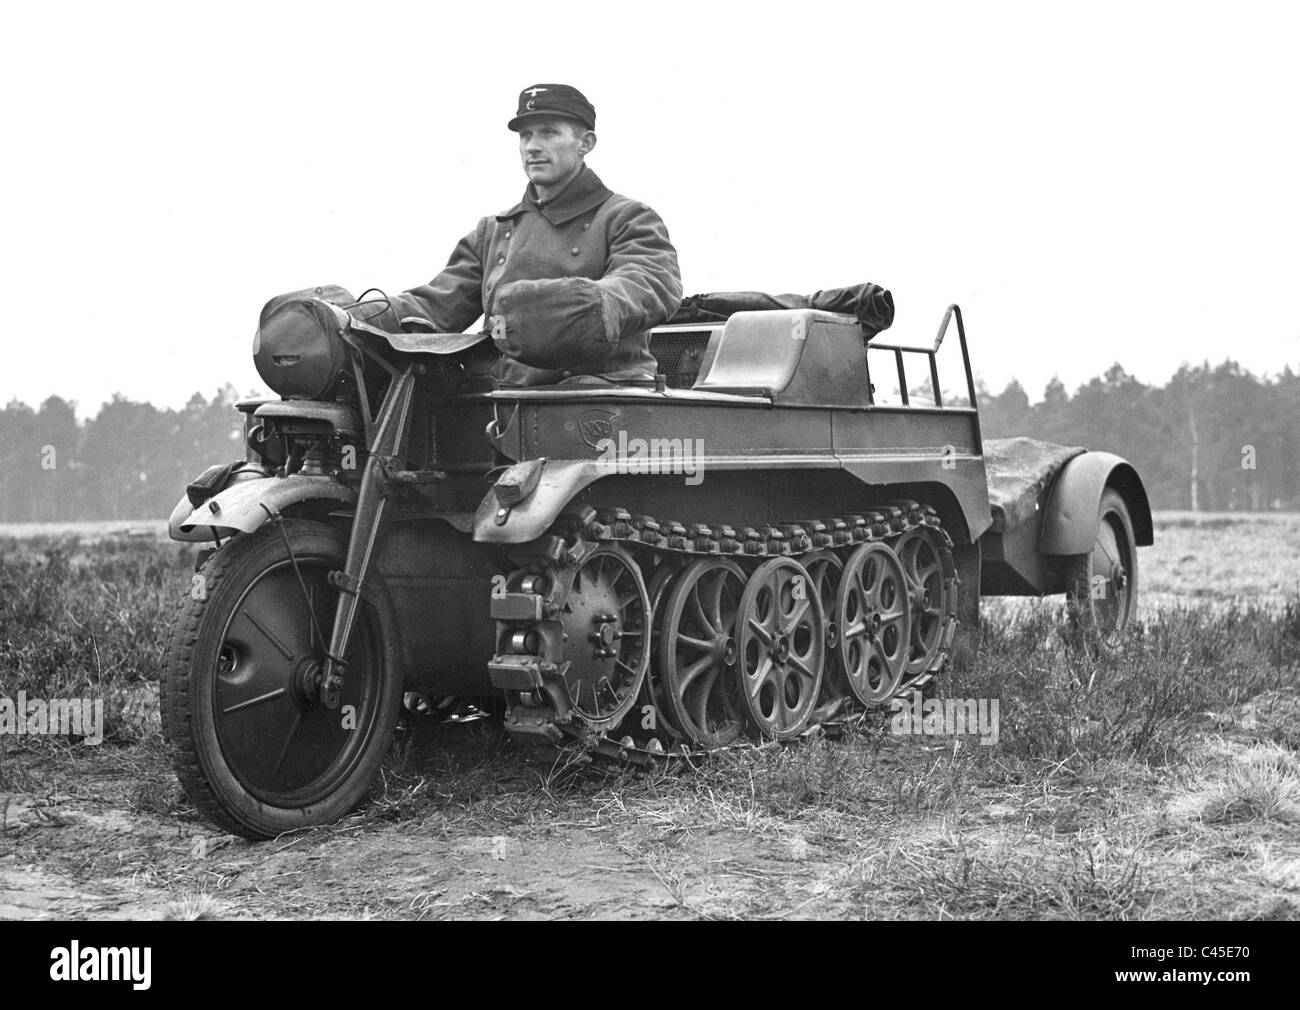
x=605 y=634
x=783 y=648
x=306 y=683
x=698 y=650
x=874 y=614
x=780 y=648
x=927 y=569
x=1117 y=580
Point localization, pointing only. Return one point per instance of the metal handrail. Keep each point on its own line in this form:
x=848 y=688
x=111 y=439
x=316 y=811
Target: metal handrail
x=932 y=353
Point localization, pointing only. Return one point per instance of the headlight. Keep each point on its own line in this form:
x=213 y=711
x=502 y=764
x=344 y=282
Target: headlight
x=297 y=350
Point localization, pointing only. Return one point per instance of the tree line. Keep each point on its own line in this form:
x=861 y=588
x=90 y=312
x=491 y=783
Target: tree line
x=130 y=461
x=1211 y=438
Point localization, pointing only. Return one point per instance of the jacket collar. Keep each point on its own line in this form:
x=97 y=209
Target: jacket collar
x=583 y=193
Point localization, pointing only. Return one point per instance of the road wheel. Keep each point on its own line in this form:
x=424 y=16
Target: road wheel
x=606 y=619
x=931 y=588
x=1102 y=585
x=781 y=647
x=874 y=616
x=652 y=690
x=697 y=652
x=825 y=569
x=966 y=637
x=252 y=747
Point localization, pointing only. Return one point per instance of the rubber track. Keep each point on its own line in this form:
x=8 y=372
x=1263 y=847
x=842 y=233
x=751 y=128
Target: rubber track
x=644 y=535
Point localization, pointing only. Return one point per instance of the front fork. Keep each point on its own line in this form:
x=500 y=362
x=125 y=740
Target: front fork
x=391 y=433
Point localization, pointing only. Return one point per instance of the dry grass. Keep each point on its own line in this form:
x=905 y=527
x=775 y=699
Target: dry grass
x=1235 y=784
x=1161 y=782
x=1222 y=558
x=195 y=907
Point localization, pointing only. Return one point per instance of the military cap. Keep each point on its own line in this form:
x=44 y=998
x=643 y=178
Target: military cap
x=554 y=100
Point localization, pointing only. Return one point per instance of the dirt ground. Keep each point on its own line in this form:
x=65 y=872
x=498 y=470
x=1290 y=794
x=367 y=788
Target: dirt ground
x=539 y=840
x=466 y=825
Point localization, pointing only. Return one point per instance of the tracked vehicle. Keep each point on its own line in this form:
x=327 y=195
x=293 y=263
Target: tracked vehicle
x=762 y=541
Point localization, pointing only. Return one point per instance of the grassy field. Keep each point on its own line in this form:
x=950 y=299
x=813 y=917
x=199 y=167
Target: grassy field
x=1163 y=782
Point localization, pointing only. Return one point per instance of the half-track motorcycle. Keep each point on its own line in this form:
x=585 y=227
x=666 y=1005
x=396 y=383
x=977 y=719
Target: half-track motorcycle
x=760 y=541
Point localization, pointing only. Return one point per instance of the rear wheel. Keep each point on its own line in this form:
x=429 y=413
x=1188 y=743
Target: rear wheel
x=1102 y=585
x=252 y=746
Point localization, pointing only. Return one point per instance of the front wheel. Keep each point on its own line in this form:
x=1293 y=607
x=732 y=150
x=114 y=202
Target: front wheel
x=252 y=746
x=1102 y=585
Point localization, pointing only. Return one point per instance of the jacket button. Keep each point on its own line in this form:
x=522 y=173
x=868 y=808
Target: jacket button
x=576 y=251
x=585 y=226
x=501 y=259
x=507 y=234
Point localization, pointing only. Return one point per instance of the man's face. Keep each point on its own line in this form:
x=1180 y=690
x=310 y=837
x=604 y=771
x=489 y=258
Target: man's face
x=551 y=149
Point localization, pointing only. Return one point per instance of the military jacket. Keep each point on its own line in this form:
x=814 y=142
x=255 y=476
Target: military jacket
x=617 y=249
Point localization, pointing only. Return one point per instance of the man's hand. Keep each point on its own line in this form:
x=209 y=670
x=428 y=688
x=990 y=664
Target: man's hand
x=555 y=323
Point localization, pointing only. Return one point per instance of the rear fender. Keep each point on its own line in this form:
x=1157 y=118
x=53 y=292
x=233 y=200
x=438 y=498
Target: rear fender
x=243 y=507
x=527 y=520
x=1074 y=503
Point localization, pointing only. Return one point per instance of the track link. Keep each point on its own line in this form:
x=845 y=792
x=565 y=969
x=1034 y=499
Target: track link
x=543 y=711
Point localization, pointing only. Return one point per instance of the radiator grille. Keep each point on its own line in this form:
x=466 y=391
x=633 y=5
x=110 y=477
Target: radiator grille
x=680 y=355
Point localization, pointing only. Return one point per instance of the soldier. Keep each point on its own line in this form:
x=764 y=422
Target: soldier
x=571 y=278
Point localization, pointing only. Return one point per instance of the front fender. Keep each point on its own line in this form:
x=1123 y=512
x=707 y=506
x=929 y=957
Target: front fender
x=1074 y=503
x=243 y=507
x=560 y=480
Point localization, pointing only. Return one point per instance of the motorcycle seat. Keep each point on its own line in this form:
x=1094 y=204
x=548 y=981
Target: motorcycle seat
x=423 y=342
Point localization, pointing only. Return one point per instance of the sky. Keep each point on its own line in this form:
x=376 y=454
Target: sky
x=1093 y=183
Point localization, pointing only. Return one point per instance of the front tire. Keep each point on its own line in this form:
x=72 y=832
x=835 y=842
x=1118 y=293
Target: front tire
x=252 y=747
